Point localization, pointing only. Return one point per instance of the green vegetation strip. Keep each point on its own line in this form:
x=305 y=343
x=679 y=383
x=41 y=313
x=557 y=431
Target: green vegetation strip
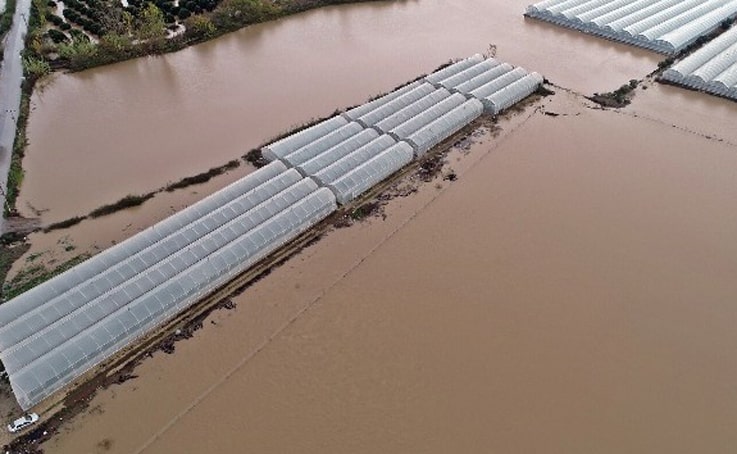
x=8 y=255
x=15 y=173
x=142 y=27
x=35 y=275
x=131 y=200
x=128 y=201
x=203 y=177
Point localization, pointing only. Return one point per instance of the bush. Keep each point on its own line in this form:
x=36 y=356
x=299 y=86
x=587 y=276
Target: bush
x=35 y=68
x=113 y=43
x=184 y=13
x=57 y=36
x=78 y=35
x=232 y=14
x=54 y=19
x=665 y=63
x=79 y=52
x=199 y=26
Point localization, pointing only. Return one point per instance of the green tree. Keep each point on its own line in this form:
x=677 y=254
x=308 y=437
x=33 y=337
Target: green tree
x=115 y=44
x=151 y=24
x=234 y=13
x=199 y=26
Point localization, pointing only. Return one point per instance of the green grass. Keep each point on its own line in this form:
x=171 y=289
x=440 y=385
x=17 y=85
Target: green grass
x=35 y=275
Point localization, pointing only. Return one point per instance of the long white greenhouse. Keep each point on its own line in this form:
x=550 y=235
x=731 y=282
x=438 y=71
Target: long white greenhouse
x=489 y=81
x=712 y=69
x=449 y=123
x=365 y=175
x=664 y=26
x=59 y=330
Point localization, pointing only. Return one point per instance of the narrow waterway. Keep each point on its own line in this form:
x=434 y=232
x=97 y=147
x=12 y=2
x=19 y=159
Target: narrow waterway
x=128 y=128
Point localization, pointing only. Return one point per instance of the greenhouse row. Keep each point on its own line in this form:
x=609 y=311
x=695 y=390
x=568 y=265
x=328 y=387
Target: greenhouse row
x=665 y=26
x=57 y=331
x=422 y=114
x=497 y=85
x=66 y=326
x=712 y=69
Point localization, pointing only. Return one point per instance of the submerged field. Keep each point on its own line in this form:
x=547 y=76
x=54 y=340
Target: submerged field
x=563 y=284
x=566 y=289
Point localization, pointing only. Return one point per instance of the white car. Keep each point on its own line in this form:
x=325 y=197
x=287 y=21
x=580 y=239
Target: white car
x=21 y=423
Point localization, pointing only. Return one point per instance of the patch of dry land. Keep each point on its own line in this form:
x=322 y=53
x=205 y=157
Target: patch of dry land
x=572 y=291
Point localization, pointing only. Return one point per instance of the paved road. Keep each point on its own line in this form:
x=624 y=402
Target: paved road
x=11 y=76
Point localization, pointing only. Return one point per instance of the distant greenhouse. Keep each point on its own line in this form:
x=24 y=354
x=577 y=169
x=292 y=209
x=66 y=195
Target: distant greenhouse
x=712 y=69
x=665 y=26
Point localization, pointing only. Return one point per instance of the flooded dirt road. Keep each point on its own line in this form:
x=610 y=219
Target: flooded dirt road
x=129 y=128
x=572 y=292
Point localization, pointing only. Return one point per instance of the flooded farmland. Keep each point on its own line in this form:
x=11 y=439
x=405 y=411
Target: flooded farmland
x=132 y=127
x=575 y=299
x=571 y=292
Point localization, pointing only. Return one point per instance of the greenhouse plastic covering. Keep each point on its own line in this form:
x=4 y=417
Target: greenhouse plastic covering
x=340 y=167
x=483 y=78
x=665 y=26
x=415 y=123
x=712 y=69
x=448 y=124
x=57 y=331
x=359 y=111
x=414 y=109
x=468 y=74
x=497 y=84
x=371 y=172
x=290 y=143
x=322 y=144
x=453 y=69
x=513 y=93
x=331 y=155
x=398 y=103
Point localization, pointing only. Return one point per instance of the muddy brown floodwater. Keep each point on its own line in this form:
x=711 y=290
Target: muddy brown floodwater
x=572 y=292
x=99 y=135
